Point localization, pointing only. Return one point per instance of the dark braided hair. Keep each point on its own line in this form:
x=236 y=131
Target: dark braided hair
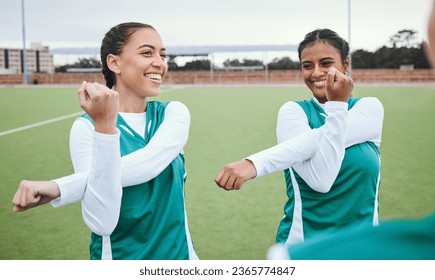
x=113 y=43
x=328 y=36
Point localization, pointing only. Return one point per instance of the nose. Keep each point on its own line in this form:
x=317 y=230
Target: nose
x=159 y=61
x=318 y=71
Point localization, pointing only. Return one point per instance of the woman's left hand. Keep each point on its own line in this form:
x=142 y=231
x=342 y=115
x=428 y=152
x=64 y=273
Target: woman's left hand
x=101 y=104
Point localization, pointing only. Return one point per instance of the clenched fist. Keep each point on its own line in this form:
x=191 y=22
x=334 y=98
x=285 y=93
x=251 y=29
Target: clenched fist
x=233 y=175
x=101 y=104
x=338 y=86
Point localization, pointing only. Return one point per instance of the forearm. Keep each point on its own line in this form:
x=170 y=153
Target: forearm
x=364 y=123
x=138 y=167
x=102 y=199
x=71 y=188
x=169 y=141
x=287 y=153
x=321 y=170
x=306 y=145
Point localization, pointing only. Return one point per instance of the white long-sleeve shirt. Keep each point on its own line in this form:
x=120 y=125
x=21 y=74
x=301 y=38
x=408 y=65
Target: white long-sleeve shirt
x=317 y=154
x=135 y=168
x=103 y=193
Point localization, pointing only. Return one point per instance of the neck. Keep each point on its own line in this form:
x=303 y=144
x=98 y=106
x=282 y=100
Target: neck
x=129 y=103
x=321 y=100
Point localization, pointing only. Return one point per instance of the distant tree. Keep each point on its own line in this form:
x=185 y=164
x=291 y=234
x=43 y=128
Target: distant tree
x=245 y=62
x=88 y=63
x=196 y=65
x=393 y=58
x=363 y=59
x=172 y=65
x=419 y=58
x=404 y=38
x=283 y=63
x=234 y=62
x=81 y=63
x=386 y=58
x=61 y=68
x=404 y=50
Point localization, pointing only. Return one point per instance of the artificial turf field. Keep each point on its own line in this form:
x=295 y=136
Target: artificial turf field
x=227 y=124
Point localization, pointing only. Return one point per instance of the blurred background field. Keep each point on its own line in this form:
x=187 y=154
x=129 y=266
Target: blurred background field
x=228 y=123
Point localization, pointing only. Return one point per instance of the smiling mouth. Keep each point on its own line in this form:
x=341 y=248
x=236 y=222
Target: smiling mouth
x=319 y=83
x=154 y=77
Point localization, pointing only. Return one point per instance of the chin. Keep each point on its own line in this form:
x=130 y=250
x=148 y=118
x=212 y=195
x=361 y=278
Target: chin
x=152 y=94
x=152 y=90
x=320 y=96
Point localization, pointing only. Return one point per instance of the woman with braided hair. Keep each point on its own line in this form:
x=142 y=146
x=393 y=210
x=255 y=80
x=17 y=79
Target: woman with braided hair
x=128 y=156
x=328 y=147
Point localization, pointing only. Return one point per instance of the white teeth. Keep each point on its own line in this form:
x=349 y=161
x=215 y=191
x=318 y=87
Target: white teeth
x=154 y=76
x=319 y=83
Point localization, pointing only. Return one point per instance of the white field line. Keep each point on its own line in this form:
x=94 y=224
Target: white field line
x=60 y=118
x=40 y=123
x=175 y=87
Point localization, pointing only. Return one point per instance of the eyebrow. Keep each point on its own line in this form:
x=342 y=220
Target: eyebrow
x=150 y=46
x=321 y=60
x=326 y=58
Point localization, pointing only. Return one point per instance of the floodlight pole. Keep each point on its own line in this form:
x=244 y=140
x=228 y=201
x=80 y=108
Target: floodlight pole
x=266 y=67
x=25 y=75
x=211 y=67
x=349 y=2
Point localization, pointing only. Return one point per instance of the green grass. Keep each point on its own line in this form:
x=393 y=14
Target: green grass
x=228 y=123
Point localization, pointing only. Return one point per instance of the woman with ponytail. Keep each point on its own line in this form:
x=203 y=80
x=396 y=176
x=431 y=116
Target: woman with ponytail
x=127 y=154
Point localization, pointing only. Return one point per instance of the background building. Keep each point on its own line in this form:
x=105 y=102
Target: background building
x=39 y=60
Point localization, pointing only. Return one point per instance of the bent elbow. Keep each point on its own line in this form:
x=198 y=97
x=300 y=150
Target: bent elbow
x=322 y=187
x=102 y=228
x=101 y=221
x=322 y=182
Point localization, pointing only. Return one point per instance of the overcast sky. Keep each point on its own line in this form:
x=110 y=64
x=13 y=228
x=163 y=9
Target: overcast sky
x=66 y=23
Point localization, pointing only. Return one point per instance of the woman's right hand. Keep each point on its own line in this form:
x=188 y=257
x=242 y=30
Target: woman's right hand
x=34 y=193
x=338 y=86
x=233 y=175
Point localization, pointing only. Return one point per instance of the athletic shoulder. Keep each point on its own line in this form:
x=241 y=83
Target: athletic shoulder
x=291 y=109
x=370 y=104
x=372 y=101
x=177 y=110
x=290 y=106
x=83 y=124
x=177 y=107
